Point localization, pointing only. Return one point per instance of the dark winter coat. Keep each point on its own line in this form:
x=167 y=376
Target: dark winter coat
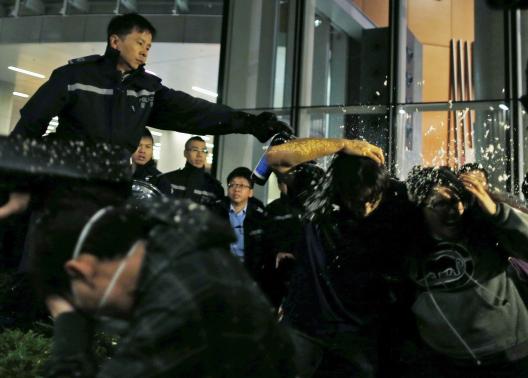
x=254 y=254
x=282 y=233
x=348 y=273
x=95 y=102
x=195 y=184
x=196 y=312
x=469 y=305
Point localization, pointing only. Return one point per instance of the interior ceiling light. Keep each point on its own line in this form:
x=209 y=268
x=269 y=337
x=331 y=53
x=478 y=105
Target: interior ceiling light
x=26 y=72
x=19 y=94
x=157 y=133
x=205 y=91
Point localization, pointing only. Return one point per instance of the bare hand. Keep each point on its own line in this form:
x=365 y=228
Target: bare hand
x=281 y=256
x=17 y=203
x=362 y=148
x=477 y=188
x=58 y=305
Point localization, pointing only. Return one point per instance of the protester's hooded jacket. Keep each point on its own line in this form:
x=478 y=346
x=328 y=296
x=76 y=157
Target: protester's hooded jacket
x=196 y=313
x=470 y=306
x=95 y=102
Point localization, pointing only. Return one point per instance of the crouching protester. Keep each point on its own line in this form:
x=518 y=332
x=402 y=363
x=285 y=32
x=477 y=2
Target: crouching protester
x=166 y=267
x=469 y=308
x=344 y=295
x=47 y=177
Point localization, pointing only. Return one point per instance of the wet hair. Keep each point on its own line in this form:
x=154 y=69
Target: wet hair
x=470 y=167
x=194 y=138
x=241 y=172
x=113 y=234
x=301 y=181
x=422 y=180
x=55 y=232
x=125 y=24
x=357 y=180
x=147 y=134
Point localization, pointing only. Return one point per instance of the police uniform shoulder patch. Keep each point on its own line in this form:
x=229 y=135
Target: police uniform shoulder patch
x=85 y=59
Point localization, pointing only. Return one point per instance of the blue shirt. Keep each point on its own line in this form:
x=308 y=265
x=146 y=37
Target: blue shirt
x=237 y=222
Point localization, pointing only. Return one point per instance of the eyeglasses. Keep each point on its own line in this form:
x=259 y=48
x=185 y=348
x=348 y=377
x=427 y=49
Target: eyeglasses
x=238 y=186
x=196 y=150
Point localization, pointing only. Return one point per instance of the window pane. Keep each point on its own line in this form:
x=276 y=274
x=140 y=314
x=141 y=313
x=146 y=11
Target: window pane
x=346 y=52
x=354 y=122
x=260 y=54
x=476 y=133
x=455 y=51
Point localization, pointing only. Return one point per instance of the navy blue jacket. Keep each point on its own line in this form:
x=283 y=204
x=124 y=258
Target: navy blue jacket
x=96 y=102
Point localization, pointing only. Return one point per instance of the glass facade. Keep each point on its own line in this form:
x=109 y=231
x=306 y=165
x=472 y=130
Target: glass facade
x=431 y=82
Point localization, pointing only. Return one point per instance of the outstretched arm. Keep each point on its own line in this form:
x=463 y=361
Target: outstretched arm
x=179 y=111
x=284 y=157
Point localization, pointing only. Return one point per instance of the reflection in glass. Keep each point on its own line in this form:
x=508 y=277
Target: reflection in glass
x=346 y=53
x=450 y=45
x=435 y=138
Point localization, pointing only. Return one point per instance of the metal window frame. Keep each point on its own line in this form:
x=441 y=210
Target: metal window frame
x=513 y=84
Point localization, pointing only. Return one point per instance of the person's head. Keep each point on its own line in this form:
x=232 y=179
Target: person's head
x=58 y=227
x=441 y=196
x=239 y=186
x=196 y=152
x=145 y=149
x=106 y=262
x=132 y=35
x=358 y=184
x=475 y=170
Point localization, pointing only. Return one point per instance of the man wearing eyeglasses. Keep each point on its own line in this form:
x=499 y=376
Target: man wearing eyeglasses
x=192 y=181
x=247 y=217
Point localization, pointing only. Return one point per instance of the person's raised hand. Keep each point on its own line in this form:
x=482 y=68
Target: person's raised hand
x=477 y=188
x=362 y=148
x=266 y=125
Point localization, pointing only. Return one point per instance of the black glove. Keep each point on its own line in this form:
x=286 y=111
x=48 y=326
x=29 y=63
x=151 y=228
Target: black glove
x=266 y=124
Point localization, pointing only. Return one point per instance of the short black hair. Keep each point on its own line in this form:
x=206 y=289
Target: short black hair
x=124 y=24
x=470 y=167
x=147 y=134
x=357 y=178
x=53 y=236
x=191 y=139
x=243 y=172
x=114 y=233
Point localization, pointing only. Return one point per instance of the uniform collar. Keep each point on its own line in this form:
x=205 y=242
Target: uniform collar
x=111 y=58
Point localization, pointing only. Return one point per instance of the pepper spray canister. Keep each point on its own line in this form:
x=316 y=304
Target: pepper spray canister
x=262 y=171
